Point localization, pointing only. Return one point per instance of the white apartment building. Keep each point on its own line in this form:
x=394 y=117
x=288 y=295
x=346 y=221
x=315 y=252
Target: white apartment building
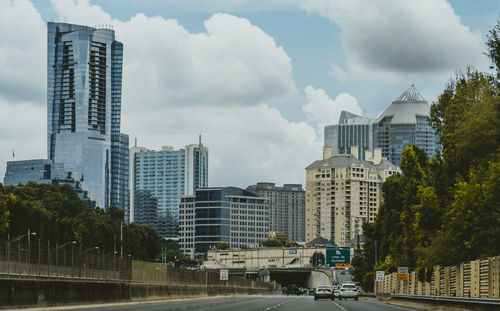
x=343 y=192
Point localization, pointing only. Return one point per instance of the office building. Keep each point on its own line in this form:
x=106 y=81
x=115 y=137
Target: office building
x=84 y=86
x=287 y=208
x=229 y=215
x=160 y=178
x=41 y=171
x=406 y=122
x=352 y=130
x=44 y=171
x=343 y=192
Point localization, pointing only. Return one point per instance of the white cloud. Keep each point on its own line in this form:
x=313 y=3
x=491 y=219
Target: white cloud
x=23 y=51
x=232 y=63
x=246 y=144
x=387 y=40
x=178 y=84
x=22 y=129
x=323 y=110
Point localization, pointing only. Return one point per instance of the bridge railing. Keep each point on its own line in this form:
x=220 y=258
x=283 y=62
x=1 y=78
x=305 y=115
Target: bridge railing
x=476 y=279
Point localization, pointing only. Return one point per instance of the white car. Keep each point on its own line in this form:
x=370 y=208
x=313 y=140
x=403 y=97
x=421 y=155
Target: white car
x=348 y=291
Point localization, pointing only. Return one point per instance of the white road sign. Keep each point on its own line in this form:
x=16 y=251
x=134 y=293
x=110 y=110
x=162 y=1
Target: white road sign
x=402 y=270
x=224 y=275
x=379 y=277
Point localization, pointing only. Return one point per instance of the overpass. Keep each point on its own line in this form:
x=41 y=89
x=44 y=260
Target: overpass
x=302 y=276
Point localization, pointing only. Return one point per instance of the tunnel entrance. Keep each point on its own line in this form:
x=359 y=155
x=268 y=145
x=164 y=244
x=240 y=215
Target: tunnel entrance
x=287 y=277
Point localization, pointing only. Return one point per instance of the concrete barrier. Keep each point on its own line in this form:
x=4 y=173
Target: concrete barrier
x=29 y=293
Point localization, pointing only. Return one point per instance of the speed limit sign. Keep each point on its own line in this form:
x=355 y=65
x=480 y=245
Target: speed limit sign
x=224 y=275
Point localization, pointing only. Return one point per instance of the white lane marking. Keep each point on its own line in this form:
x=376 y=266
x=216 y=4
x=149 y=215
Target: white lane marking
x=339 y=306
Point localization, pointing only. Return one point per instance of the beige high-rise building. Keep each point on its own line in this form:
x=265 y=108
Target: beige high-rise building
x=342 y=192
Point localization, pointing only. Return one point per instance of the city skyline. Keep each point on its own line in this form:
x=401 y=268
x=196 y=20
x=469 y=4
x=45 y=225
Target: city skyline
x=289 y=102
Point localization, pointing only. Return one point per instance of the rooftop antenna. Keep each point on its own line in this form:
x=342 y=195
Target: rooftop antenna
x=135 y=142
x=200 y=140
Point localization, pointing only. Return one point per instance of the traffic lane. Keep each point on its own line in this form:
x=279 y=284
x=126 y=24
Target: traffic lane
x=270 y=302
x=366 y=304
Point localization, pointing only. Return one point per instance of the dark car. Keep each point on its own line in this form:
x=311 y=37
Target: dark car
x=324 y=291
x=292 y=289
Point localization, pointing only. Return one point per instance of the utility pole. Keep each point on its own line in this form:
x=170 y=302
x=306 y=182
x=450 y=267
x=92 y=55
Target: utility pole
x=121 y=238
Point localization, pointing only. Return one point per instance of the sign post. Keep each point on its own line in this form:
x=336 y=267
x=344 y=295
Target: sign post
x=379 y=277
x=338 y=257
x=224 y=275
x=403 y=273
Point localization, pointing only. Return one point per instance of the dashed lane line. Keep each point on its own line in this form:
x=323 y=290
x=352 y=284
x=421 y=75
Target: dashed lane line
x=339 y=306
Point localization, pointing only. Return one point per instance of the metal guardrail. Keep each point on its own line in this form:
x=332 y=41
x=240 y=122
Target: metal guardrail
x=451 y=299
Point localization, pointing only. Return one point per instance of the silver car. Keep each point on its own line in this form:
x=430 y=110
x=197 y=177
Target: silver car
x=323 y=291
x=348 y=291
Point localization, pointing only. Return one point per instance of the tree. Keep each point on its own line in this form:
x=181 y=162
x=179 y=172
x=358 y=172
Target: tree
x=317 y=259
x=493 y=46
x=271 y=243
x=222 y=246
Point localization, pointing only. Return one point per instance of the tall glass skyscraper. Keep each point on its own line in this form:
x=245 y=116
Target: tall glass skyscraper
x=84 y=85
x=352 y=130
x=160 y=178
x=406 y=122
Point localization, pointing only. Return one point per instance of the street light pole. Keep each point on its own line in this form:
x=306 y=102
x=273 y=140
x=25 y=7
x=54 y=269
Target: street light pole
x=19 y=246
x=86 y=257
x=57 y=257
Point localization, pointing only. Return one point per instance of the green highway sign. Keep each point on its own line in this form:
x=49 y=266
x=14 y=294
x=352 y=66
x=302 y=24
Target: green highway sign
x=338 y=256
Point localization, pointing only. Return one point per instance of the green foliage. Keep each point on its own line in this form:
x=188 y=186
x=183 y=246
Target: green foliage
x=222 y=245
x=445 y=210
x=57 y=214
x=271 y=243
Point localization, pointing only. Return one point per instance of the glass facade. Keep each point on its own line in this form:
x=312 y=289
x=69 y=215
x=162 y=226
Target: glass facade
x=44 y=171
x=40 y=171
x=405 y=122
x=222 y=215
x=352 y=130
x=83 y=109
x=167 y=175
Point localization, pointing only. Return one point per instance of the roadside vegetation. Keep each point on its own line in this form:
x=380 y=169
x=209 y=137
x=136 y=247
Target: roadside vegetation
x=57 y=214
x=445 y=210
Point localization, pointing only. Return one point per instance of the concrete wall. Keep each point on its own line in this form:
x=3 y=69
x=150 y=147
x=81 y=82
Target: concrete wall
x=262 y=258
x=24 y=293
x=316 y=278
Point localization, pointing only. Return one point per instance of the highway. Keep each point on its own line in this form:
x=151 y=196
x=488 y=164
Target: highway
x=245 y=303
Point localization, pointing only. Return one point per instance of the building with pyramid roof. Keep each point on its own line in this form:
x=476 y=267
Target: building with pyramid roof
x=405 y=122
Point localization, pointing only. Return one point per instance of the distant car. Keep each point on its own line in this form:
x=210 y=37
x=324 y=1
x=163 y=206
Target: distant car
x=348 y=291
x=336 y=291
x=284 y=290
x=323 y=291
x=292 y=289
x=311 y=291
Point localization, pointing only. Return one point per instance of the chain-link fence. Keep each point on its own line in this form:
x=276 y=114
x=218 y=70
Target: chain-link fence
x=28 y=257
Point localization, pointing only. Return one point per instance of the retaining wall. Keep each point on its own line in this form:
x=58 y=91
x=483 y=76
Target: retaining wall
x=25 y=293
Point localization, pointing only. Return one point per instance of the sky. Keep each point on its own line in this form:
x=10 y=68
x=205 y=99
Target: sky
x=258 y=79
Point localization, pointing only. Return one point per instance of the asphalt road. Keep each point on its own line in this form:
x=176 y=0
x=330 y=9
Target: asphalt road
x=250 y=303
